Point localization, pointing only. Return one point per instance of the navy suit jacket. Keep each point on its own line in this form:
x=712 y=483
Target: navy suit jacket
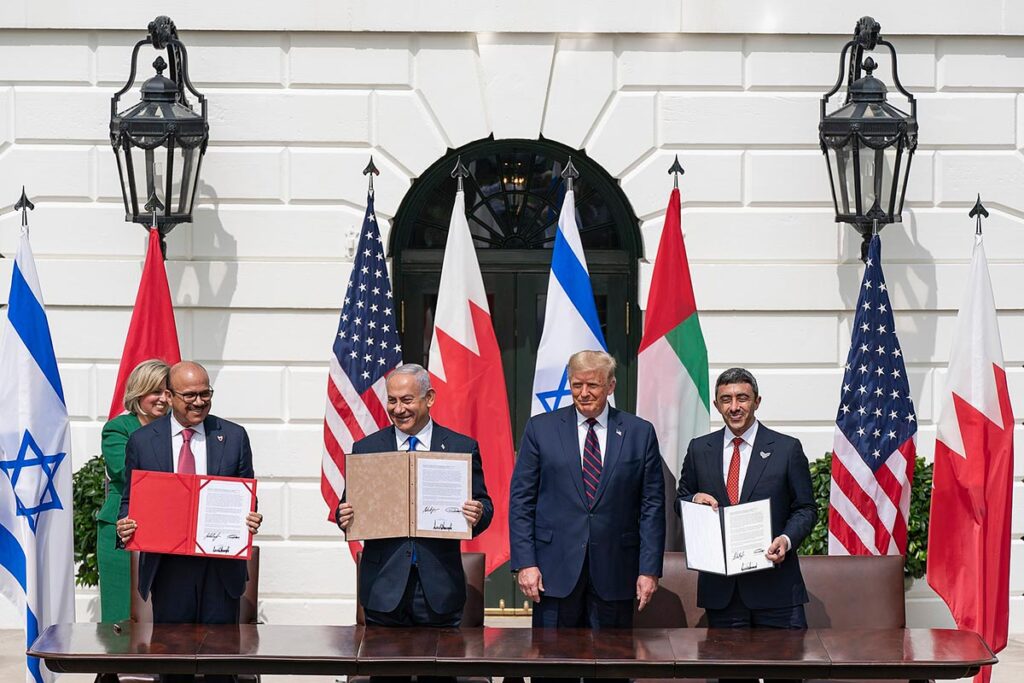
x=784 y=478
x=228 y=454
x=384 y=568
x=552 y=527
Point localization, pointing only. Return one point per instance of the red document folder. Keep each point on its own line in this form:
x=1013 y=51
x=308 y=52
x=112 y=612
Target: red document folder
x=166 y=508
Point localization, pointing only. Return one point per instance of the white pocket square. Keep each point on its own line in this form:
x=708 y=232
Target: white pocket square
x=765 y=454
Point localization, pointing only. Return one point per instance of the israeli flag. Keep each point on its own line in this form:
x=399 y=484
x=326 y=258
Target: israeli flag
x=570 y=316
x=36 y=551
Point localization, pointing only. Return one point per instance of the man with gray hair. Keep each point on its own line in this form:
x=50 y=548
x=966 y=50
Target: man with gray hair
x=587 y=506
x=416 y=581
x=743 y=462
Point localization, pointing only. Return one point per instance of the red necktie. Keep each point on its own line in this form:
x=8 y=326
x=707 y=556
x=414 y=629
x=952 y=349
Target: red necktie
x=591 y=461
x=732 y=483
x=186 y=461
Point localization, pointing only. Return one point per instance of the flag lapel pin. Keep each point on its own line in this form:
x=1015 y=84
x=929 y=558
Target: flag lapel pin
x=765 y=454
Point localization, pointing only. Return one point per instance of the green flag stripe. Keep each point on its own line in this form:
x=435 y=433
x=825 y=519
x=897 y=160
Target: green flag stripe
x=687 y=340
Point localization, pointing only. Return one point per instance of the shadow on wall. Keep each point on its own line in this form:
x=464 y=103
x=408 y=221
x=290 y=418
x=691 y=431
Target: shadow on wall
x=912 y=291
x=208 y=279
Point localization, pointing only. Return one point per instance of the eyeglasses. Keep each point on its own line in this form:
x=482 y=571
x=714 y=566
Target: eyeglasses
x=190 y=396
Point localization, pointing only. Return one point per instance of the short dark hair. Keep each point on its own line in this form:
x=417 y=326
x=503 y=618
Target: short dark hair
x=736 y=376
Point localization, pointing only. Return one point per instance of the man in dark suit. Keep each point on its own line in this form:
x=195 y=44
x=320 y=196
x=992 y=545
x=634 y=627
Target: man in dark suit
x=187 y=589
x=416 y=581
x=587 y=506
x=743 y=462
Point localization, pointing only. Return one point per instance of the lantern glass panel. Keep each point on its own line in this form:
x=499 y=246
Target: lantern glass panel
x=843 y=178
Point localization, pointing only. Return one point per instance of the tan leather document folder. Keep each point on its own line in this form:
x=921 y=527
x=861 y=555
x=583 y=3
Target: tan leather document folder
x=408 y=494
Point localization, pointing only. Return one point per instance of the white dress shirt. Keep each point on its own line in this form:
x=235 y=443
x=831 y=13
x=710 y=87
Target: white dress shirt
x=198 y=445
x=745 y=450
x=423 y=436
x=600 y=428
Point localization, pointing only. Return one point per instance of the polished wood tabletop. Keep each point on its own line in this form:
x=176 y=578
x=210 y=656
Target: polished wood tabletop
x=638 y=653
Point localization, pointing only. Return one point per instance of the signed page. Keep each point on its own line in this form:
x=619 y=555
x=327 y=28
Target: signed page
x=377 y=486
x=748 y=533
x=442 y=483
x=220 y=517
x=702 y=534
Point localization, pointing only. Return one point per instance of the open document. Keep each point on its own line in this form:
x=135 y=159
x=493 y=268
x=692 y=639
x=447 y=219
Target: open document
x=732 y=540
x=402 y=493
x=188 y=514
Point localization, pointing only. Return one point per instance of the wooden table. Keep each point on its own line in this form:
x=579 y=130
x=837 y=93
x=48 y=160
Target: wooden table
x=914 y=654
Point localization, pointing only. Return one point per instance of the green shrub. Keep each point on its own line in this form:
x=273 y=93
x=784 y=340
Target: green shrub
x=816 y=542
x=88 y=494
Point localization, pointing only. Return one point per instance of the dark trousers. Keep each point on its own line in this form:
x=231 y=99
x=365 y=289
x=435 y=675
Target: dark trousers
x=582 y=608
x=413 y=610
x=738 y=615
x=187 y=590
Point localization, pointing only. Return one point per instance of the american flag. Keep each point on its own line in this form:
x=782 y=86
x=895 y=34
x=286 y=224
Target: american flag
x=366 y=348
x=874 y=445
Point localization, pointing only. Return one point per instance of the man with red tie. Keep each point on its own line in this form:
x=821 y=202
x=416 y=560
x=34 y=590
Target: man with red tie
x=587 y=506
x=744 y=462
x=189 y=589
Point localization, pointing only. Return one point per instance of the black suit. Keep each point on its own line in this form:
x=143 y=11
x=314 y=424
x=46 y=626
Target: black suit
x=783 y=477
x=387 y=562
x=189 y=589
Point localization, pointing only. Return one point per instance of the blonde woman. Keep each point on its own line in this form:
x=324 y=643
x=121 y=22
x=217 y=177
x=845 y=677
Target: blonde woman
x=146 y=398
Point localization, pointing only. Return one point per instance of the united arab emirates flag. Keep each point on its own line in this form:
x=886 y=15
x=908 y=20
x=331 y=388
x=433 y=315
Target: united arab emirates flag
x=672 y=374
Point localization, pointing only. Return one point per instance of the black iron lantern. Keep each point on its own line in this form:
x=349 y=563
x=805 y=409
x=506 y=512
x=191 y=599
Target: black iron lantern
x=159 y=142
x=868 y=143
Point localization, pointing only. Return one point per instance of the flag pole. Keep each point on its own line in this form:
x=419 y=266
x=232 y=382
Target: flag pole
x=370 y=170
x=25 y=205
x=569 y=173
x=676 y=169
x=979 y=210
x=460 y=172
x=153 y=206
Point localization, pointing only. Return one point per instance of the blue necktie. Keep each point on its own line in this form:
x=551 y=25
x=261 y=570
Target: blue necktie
x=411 y=446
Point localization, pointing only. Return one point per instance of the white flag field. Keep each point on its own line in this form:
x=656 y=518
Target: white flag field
x=36 y=549
x=570 y=315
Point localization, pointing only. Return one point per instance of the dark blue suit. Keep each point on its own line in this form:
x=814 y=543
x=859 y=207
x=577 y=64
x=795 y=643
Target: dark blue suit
x=221 y=582
x=784 y=478
x=552 y=527
x=387 y=562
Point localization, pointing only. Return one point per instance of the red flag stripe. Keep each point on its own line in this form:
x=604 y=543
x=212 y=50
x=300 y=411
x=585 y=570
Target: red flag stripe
x=838 y=527
x=862 y=502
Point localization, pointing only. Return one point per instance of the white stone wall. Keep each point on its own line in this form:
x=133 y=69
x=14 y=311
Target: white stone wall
x=730 y=86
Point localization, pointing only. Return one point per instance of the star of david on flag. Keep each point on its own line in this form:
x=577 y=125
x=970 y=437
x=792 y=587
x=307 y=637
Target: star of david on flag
x=31 y=476
x=36 y=551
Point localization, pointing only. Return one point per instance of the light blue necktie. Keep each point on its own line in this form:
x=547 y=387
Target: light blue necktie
x=412 y=443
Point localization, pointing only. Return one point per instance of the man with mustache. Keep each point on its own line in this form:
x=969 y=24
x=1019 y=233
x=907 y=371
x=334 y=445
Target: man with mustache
x=187 y=589
x=743 y=462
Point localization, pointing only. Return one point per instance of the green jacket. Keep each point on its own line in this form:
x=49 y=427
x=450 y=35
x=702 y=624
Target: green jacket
x=114 y=440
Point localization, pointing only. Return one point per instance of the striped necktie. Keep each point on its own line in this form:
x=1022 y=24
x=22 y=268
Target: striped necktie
x=591 y=461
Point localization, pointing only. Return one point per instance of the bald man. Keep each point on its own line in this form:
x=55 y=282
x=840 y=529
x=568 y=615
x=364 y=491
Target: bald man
x=189 y=440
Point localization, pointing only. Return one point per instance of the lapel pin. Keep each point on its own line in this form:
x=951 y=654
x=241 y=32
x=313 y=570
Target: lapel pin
x=765 y=454
x=619 y=432
x=444 y=447
x=220 y=437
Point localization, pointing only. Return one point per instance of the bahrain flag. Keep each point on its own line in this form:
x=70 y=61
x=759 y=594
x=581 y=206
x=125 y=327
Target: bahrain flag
x=465 y=370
